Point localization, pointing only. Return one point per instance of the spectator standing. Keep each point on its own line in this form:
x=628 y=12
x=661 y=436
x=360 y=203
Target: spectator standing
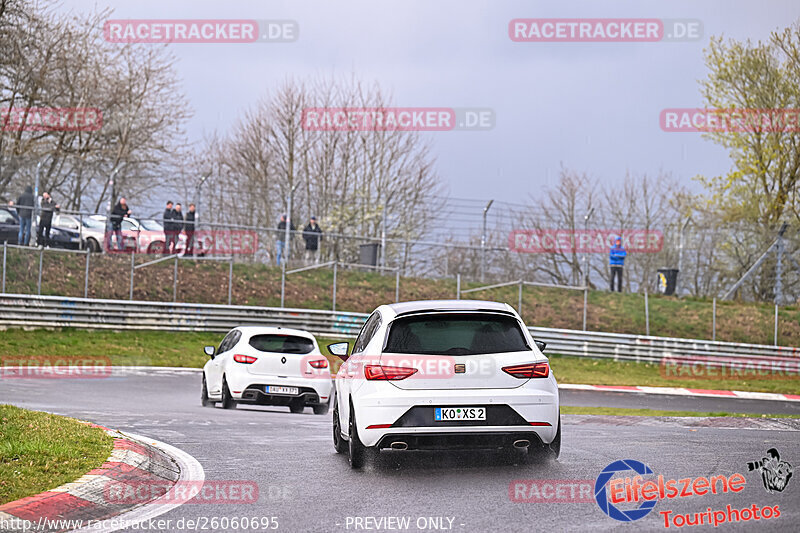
x=189 y=228
x=177 y=226
x=25 y=212
x=616 y=259
x=46 y=220
x=169 y=228
x=312 y=234
x=280 y=244
x=119 y=212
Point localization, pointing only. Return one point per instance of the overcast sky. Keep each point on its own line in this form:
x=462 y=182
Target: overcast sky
x=592 y=106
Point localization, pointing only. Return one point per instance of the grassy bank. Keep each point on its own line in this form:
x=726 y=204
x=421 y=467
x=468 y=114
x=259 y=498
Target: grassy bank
x=157 y=348
x=40 y=451
x=258 y=284
x=575 y=410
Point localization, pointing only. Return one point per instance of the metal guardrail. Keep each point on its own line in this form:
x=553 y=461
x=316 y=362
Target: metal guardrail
x=17 y=310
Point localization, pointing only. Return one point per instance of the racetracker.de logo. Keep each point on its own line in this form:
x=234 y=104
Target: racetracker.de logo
x=397 y=119
x=721 y=368
x=730 y=120
x=54 y=367
x=194 y=492
x=201 y=31
x=604 y=30
x=551 y=490
x=542 y=241
x=50 y=119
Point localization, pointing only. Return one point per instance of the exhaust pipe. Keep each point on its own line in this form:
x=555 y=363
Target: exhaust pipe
x=522 y=443
x=399 y=445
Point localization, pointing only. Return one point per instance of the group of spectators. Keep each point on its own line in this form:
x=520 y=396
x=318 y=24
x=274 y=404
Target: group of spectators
x=25 y=207
x=174 y=224
x=312 y=235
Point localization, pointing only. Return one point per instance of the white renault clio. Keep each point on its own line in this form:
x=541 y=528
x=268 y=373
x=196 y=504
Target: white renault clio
x=448 y=374
x=267 y=366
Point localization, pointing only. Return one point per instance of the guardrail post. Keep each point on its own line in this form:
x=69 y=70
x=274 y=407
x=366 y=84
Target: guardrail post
x=397 y=286
x=776 y=324
x=230 y=281
x=585 y=298
x=5 y=249
x=333 y=298
x=714 y=320
x=175 y=281
x=519 y=298
x=646 y=314
x=39 y=284
x=458 y=286
x=133 y=264
x=86 y=275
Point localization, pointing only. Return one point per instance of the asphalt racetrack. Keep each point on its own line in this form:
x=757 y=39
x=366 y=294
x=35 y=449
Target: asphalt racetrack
x=308 y=487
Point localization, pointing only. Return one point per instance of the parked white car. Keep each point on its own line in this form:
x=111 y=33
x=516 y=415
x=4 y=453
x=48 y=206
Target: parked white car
x=448 y=374
x=90 y=230
x=268 y=366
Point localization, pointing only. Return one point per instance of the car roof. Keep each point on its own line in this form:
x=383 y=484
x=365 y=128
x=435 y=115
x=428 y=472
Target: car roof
x=275 y=330
x=420 y=306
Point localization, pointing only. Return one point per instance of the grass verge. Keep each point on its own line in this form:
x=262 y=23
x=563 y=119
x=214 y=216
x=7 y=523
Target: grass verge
x=40 y=451
x=160 y=348
x=576 y=410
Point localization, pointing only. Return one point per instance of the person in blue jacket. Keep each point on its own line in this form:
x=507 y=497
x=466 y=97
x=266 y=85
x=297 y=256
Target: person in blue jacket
x=616 y=259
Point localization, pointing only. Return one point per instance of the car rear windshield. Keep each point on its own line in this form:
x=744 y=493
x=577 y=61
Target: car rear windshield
x=281 y=343
x=460 y=334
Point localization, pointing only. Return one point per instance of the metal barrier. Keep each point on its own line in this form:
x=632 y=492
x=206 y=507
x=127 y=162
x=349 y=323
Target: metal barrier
x=17 y=310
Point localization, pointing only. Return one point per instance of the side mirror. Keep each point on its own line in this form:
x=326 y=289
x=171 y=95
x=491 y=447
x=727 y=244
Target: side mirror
x=210 y=351
x=339 y=349
x=541 y=345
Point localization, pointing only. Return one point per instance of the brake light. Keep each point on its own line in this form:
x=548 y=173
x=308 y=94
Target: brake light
x=387 y=373
x=320 y=363
x=246 y=359
x=528 y=370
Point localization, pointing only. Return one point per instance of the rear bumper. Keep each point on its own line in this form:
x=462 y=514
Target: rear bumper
x=250 y=388
x=488 y=440
x=524 y=405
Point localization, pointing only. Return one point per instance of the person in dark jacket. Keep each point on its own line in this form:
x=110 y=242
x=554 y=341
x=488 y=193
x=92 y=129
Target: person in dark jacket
x=25 y=212
x=119 y=212
x=189 y=228
x=279 y=243
x=46 y=220
x=177 y=227
x=312 y=234
x=169 y=228
x=616 y=260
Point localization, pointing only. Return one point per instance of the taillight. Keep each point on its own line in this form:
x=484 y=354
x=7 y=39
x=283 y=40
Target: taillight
x=528 y=370
x=246 y=359
x=320 y=363
x=387 y=373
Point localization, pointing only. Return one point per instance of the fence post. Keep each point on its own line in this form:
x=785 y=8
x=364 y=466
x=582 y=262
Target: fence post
x=39 y=284
x=133 y=264
x=397 y=286
x=86 y=276
x=519 y=299
x=175 y=281
x=458 y=286
x=5 y=249
x=714 y=320
x=585 y=298
x=230 y=281
x=646 y=314
x=333 y=298
x=776 y=324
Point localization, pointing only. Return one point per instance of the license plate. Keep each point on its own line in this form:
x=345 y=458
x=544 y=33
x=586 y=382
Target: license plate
x=443 y=414
x=275 y=389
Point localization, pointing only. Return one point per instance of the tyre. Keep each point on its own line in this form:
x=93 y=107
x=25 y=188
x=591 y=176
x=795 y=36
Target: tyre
x=321 y=409
x=357 y=451
x=155 y=248
x=93 y=245
x=297 y=407
x=555 y=446
x=339 y=444
x=204 y=401
x=227 y=400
